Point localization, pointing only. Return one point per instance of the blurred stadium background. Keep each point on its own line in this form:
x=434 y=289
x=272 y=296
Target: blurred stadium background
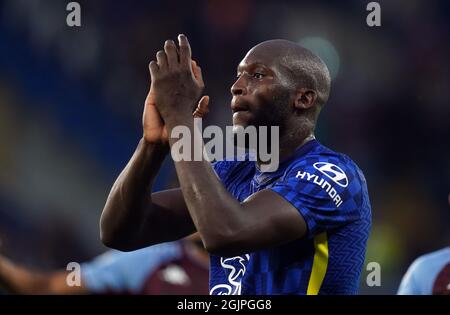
x=71 y=102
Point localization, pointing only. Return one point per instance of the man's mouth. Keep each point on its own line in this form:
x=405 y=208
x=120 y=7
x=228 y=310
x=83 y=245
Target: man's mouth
x=240 y=111
x=238 y=105
x=240 y=116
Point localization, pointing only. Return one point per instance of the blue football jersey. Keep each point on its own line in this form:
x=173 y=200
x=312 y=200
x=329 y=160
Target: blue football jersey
x=330 y=193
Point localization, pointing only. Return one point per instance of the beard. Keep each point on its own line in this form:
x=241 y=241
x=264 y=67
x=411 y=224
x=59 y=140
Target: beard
x=274 y=111
x=271 y=111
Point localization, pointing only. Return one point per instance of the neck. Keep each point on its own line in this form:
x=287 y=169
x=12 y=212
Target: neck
x=290 y=141
x=290 y=144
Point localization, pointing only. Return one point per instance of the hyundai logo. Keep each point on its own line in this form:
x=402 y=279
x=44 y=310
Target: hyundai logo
x=333 y=172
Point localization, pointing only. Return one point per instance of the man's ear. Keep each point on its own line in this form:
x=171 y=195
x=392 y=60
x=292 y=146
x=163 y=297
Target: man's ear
x=305 y=98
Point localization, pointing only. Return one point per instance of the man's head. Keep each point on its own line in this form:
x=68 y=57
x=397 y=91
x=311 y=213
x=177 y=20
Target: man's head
x=280 y=83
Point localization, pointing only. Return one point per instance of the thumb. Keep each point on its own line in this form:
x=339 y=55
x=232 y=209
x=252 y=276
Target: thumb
x=202 y=107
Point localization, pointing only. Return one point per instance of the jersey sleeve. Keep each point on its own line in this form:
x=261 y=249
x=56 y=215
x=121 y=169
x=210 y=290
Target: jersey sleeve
x=408 y=285
x=221 y=168
x=328 y=194
x=119 y=272
x=419 y=278
x=225 y=170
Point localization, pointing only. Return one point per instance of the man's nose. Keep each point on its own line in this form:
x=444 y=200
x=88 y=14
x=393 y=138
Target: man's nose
x=238 y=88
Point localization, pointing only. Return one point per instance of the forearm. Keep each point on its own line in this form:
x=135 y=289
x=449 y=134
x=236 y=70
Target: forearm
x=19 y=280
x=216 y=214
x=129 y=200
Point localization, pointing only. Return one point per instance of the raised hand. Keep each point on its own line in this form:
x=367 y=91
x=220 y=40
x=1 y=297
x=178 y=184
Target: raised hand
x=176 y=83
x=153 y=125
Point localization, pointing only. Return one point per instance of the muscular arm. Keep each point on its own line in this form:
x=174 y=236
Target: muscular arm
x=133 y=217
x=228 y=227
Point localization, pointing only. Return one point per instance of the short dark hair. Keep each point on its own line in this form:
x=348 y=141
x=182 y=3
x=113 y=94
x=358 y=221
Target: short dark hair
x=306 y=69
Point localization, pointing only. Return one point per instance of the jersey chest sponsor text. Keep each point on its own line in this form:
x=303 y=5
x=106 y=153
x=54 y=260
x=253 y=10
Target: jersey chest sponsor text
x=337 y=199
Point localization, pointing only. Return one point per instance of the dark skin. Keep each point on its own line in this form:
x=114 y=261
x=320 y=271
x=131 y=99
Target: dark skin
x=133 y=218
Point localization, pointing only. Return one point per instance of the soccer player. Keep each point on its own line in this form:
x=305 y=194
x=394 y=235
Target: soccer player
x=169 y=268
x=301 y=229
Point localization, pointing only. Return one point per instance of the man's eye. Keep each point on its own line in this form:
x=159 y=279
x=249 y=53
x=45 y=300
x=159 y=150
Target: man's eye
x=258 y=75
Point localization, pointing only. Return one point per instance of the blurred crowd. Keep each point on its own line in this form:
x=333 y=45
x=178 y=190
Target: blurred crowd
x=71 y=101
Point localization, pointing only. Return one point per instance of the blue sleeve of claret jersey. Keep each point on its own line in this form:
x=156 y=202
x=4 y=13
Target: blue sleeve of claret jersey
x=420 y=277
x=116 y=272
x=328 y=194
x=409 y=285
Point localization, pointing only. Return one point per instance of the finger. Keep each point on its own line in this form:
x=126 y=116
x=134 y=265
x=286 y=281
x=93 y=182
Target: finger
x=198 y=114
x=197 y=72
x=202 y=107
x=185 y=50
x=171 y=53
x=161 y=58
x=153 y=66
x=203 y=104
x=194 y=69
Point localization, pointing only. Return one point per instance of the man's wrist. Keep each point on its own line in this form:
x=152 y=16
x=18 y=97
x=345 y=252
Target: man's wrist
x=181 y=118
x=151 y=147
